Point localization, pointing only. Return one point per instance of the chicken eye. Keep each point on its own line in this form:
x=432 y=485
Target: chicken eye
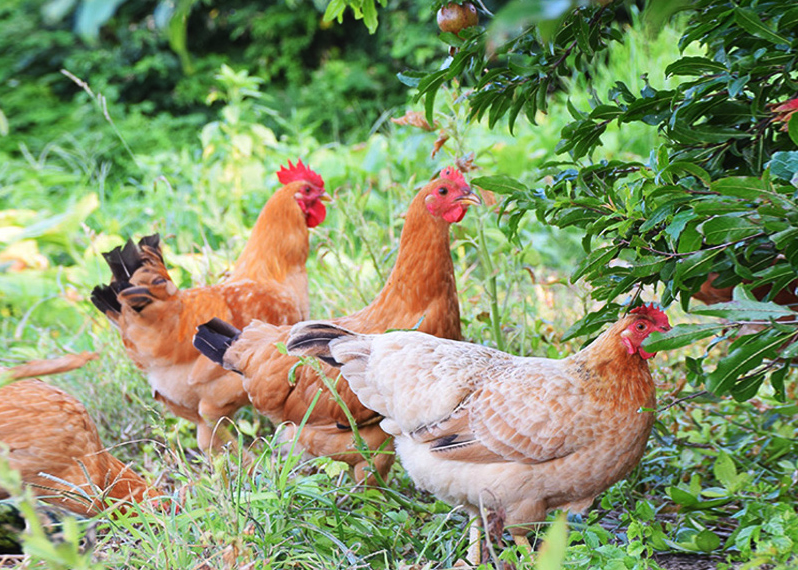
x=306 y=189
x=641 y=326
x=443 y=190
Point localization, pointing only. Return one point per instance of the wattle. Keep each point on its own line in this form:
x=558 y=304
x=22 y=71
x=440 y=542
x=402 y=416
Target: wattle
x=315 y=214
x=455 y=214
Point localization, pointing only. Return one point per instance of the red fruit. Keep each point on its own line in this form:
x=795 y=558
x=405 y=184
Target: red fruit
x=454 y=17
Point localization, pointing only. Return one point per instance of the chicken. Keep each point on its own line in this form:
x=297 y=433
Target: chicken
x=476 y=426
x=51 y=440
x=157 y=320
x=420 y=291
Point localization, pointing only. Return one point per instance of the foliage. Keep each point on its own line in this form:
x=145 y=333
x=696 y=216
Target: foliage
x=715 y=201
x=155 y=62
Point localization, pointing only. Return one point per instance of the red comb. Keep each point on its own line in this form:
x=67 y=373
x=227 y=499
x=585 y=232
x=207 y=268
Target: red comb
x=453 y=174
x=655 y=312
x=298 y=172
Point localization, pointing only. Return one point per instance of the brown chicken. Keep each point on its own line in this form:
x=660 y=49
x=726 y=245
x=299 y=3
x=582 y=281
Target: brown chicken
x=476 y=426
x=48 y=432
x=420 y=291
x=157 y=320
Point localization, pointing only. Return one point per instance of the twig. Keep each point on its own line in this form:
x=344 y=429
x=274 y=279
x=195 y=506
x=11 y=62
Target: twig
x=680 y=400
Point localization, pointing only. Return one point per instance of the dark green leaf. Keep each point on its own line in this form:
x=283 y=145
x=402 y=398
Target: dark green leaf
x=694 y=66
x=605 y=112
x=681 y=497
x=682 y=166
x=727 y=229
x=785 y=239
x=715 y=205
x=500 y=184
x=750 y=22
x=680 y=335
x=647 y=265
x=745 y=354
x=698 y=263
x=748 y=188
x=597 y=258
x=745 y=311
x=690 y=240
x=792 y=128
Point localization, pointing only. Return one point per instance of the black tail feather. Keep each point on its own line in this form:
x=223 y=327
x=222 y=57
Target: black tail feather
x=105 y=297
x=214 y=338
x=313 y=338
x=124 y=261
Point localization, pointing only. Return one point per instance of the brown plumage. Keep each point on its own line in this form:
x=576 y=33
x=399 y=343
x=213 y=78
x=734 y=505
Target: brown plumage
x=48 y=432
x=474 y=425
x=157 y=320
x=421 y=287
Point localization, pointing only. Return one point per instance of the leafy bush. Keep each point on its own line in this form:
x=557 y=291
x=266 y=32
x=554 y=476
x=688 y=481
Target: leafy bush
x=715 y=200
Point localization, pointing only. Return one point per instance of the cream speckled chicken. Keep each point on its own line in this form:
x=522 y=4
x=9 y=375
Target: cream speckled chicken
x=474 y=425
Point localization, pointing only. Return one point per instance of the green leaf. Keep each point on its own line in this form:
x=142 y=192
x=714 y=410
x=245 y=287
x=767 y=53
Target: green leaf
x=728 y=229
x=597 y=258
x=691 y=239
x=605 y=112
x=370 y=15
x=335 y=9
x=745 y=354
x=792 y=128
x=680 y=335
x=681 y=497
x=777 y=380
x=647 y=265
x=500 y=184
x=745 y=311
x=749 y=188
x=704 y=134
x=751 y=23
x=707 y=540
x=785 y=238
x=698 y=263
x=410 y=77
x=725 y=471
x=694 y=66
x=682 y=166
x=716 y=205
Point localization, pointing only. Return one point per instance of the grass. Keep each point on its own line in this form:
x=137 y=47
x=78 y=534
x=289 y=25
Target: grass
x=718 y=477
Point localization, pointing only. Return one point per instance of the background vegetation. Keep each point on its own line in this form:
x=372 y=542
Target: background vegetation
x=124 y=118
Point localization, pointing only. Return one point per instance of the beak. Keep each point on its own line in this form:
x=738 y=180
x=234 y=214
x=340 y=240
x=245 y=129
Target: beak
x=469 y=199
x=325 y=197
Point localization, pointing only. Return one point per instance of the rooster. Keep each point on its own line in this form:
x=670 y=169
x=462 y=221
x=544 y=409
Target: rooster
x=421 y=288
x=476 y=426
x=53 y=443
x=157 y=320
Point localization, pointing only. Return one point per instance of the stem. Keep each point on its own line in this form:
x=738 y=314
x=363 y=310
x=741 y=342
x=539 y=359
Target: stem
x=495 y=315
